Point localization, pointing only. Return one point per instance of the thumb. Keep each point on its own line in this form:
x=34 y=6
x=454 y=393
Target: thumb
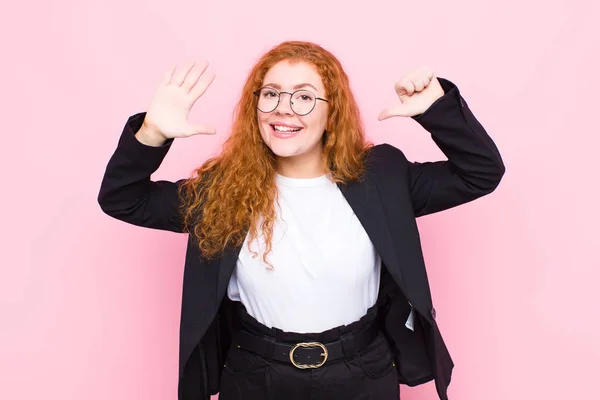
x=395 y=111
x=201 y=130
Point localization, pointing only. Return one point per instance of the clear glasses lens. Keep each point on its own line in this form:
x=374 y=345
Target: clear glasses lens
x=302 y=101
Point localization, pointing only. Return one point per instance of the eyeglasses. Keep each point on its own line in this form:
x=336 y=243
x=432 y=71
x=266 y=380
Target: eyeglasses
x=302 y=102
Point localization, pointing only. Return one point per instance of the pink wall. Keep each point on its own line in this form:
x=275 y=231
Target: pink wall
x=90 y=305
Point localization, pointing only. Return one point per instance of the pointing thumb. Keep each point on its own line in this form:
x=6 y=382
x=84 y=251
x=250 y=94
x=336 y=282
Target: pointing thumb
x=201 y=130
x=396 y=111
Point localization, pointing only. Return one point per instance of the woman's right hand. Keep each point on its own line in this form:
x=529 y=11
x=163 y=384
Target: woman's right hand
x=167 y=116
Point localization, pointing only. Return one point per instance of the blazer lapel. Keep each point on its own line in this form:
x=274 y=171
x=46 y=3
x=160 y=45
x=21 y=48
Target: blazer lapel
x=365 y=201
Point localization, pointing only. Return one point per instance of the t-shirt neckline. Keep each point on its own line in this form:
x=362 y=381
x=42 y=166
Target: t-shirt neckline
x=301 y=182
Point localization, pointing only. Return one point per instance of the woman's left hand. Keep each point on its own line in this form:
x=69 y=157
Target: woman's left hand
x=417 y=90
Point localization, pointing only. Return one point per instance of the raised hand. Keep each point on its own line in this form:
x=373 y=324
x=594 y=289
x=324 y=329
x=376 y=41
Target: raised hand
x=167 y=116
x=417 y=90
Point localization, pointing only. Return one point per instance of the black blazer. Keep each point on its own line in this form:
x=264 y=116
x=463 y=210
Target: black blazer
x=393 y=193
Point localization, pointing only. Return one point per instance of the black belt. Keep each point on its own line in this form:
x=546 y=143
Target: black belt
x=303 y=355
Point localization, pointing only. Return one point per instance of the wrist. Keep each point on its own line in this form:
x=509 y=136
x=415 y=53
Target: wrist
x=150 y=137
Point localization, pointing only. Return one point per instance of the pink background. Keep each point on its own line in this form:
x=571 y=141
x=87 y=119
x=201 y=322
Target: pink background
x=90 y=305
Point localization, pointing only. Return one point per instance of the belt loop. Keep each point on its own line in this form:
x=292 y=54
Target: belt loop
x=348 y=345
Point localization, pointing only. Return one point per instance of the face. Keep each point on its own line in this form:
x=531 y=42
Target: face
x=287 y=134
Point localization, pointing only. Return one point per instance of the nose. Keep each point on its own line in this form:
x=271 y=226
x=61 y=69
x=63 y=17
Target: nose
x=284 y=106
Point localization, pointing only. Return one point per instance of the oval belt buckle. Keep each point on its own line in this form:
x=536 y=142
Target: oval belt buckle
x=325 y=354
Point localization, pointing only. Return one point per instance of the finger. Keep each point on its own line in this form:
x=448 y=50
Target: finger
x=428 y=76
x=428 y=72
x=168 y=74
x=418 y=84
x=203 y=83
x=201 y=130
x=193 y=76
x=404 y=86
x=180 y=75
x=396 y=111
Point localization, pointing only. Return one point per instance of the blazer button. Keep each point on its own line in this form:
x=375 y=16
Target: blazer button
x=433 y=314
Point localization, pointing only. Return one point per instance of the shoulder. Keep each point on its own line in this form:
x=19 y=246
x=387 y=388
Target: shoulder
x=383 y=156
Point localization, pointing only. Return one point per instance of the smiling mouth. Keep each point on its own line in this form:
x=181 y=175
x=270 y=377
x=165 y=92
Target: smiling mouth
x=284 y=131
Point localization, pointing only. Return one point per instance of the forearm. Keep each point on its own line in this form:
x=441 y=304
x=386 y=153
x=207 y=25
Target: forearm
x=127 y=192
x=474 y=166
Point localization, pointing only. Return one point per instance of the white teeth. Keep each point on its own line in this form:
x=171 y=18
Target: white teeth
x=280 y=128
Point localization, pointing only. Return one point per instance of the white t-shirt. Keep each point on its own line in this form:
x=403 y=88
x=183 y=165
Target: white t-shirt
x=326 y=270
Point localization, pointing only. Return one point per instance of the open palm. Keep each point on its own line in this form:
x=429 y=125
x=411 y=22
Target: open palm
x=180 y=89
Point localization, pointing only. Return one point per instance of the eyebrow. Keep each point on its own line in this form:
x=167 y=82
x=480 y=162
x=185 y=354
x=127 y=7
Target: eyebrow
x=298 y=86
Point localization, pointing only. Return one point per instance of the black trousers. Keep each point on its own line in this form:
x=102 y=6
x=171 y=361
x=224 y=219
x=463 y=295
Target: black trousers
x=370 y=374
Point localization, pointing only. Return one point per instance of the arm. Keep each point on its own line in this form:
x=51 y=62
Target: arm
x=474 y=167
x=127 y=193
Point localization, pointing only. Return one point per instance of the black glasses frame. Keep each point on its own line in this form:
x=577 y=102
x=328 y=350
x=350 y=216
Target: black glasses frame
x=257 y=94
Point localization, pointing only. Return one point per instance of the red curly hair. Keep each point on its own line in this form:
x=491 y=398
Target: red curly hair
x=224 y=201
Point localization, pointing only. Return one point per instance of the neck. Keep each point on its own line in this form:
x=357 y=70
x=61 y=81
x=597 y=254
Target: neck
x=301 y=166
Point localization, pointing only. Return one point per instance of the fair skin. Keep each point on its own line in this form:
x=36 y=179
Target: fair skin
x=298 y=155
x=167 y=115
x=299 y=149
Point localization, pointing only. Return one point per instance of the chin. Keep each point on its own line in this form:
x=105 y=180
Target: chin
x=285 y=151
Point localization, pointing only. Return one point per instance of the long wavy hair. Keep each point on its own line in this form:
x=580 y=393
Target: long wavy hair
x=234 y=191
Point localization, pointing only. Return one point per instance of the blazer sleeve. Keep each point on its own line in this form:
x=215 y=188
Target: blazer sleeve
x=127 y=193
x=474 y=167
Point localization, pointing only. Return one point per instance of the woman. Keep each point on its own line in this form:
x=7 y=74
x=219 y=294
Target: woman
x=304 y=276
